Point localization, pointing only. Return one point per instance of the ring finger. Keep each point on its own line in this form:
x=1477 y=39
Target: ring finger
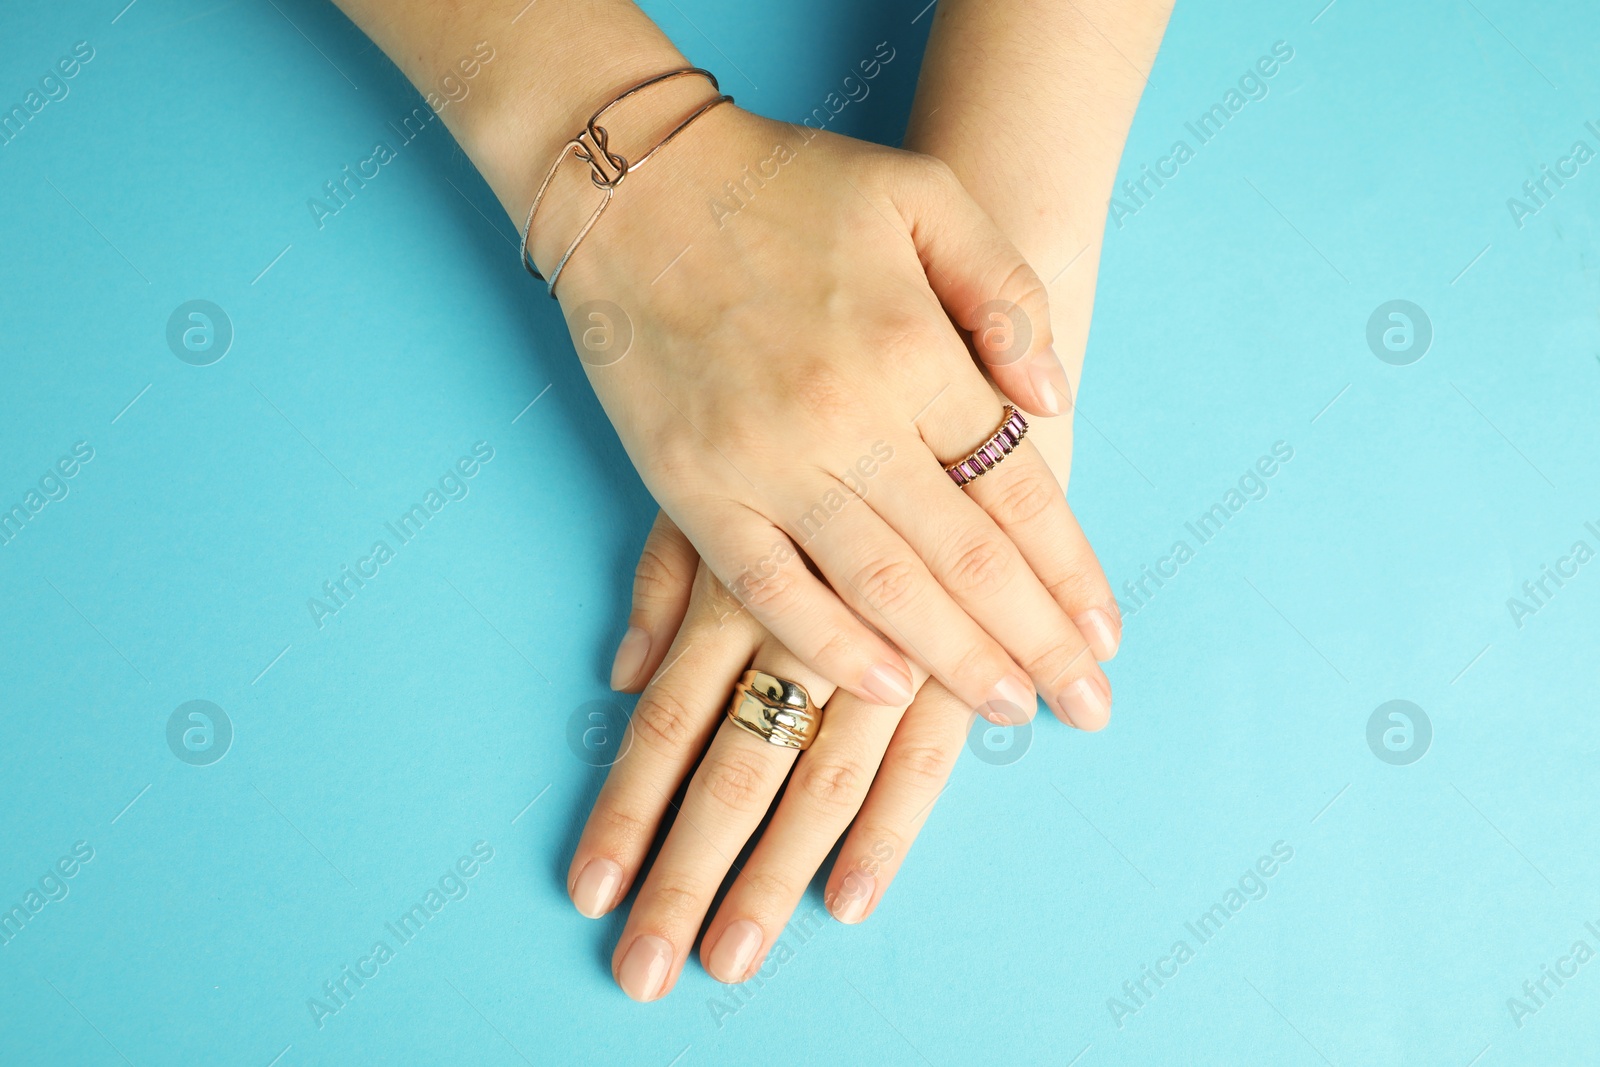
x=725 y=801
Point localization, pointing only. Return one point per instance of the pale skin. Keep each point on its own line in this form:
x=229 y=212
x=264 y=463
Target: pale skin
x=976 y=600
x=770 y=355
x=873 y=774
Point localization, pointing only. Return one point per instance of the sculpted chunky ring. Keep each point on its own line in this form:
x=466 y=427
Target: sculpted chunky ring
x=987 y=456
x=774 y=709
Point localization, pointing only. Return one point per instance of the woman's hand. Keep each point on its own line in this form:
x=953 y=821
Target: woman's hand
x=874 y=771
x=793 y=387
x=780 y=339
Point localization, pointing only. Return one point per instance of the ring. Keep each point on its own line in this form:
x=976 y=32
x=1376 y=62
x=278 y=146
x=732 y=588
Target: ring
x=774 y=709
x=987 y=456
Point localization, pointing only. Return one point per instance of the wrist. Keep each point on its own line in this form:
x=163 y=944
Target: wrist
x=662 y=212
x=636 y=122
x=546 y=87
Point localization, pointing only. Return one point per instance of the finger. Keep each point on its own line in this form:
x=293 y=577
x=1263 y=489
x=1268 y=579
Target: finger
x=762 y=568
x=829 y=782
x=913 y=773
x=1003 y=549
x=669 y=729
x=888 y=582
x=987 y=288
x=662 y=583
x=726 y=798
x=1024 y=498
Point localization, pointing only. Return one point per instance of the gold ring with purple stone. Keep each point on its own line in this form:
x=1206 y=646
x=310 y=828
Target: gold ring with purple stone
x=987 y=456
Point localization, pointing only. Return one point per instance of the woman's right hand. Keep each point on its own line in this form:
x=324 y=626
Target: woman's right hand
x=794 y=385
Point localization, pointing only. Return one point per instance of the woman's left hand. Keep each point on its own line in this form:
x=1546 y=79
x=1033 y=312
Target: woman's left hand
x=880 y=768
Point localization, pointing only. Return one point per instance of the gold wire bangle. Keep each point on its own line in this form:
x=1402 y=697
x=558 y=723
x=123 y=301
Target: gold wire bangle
x=608 y=168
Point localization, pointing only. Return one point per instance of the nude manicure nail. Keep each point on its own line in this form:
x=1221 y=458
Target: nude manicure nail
x=643 y=970
x=596 y=888
x=1049 y=381
x=734 y=951
x=632 y=650
x=855 y=893
x=1101 y=632
x=1084 y=703
x=1011 y=702
x=887 y=685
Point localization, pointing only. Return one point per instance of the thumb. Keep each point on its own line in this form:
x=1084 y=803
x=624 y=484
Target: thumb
x=987 y=289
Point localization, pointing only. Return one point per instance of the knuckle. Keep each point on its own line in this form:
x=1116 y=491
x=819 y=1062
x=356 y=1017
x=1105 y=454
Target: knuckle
x=674 y=904
x=1021 y=498
x=873 y=846
x=658 y=578
x=663 y=720
x=1066 y=662
x=832 y=783
x=837 y=648
x=623 y=827
x=734 y=780
x=978 y=564
x=760 y=884
x=765 y=587
x=769 y=594
x=1023 y=286
x=924 y=765
x=889 y=585
x=977 y=666
x=1077 y=590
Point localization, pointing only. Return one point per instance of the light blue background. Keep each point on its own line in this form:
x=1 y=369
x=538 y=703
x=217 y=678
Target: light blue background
x=370 y=754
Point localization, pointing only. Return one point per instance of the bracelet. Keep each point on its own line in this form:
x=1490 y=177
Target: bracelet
x=608 y=168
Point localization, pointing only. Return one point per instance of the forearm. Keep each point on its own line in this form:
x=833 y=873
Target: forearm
x=1030 y=102
x=554 y=62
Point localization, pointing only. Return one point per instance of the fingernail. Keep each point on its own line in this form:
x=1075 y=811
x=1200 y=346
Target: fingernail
x=887 y=685
x=631 y=651
x=1049 y=381
x=596 y=888
x=1011 y=702
x=1102 y=633
x=1085 y=704
x=644 y=968
x=855 y=893
x=734 y=951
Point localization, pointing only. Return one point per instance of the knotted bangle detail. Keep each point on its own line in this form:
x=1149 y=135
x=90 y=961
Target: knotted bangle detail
x=607 y=168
